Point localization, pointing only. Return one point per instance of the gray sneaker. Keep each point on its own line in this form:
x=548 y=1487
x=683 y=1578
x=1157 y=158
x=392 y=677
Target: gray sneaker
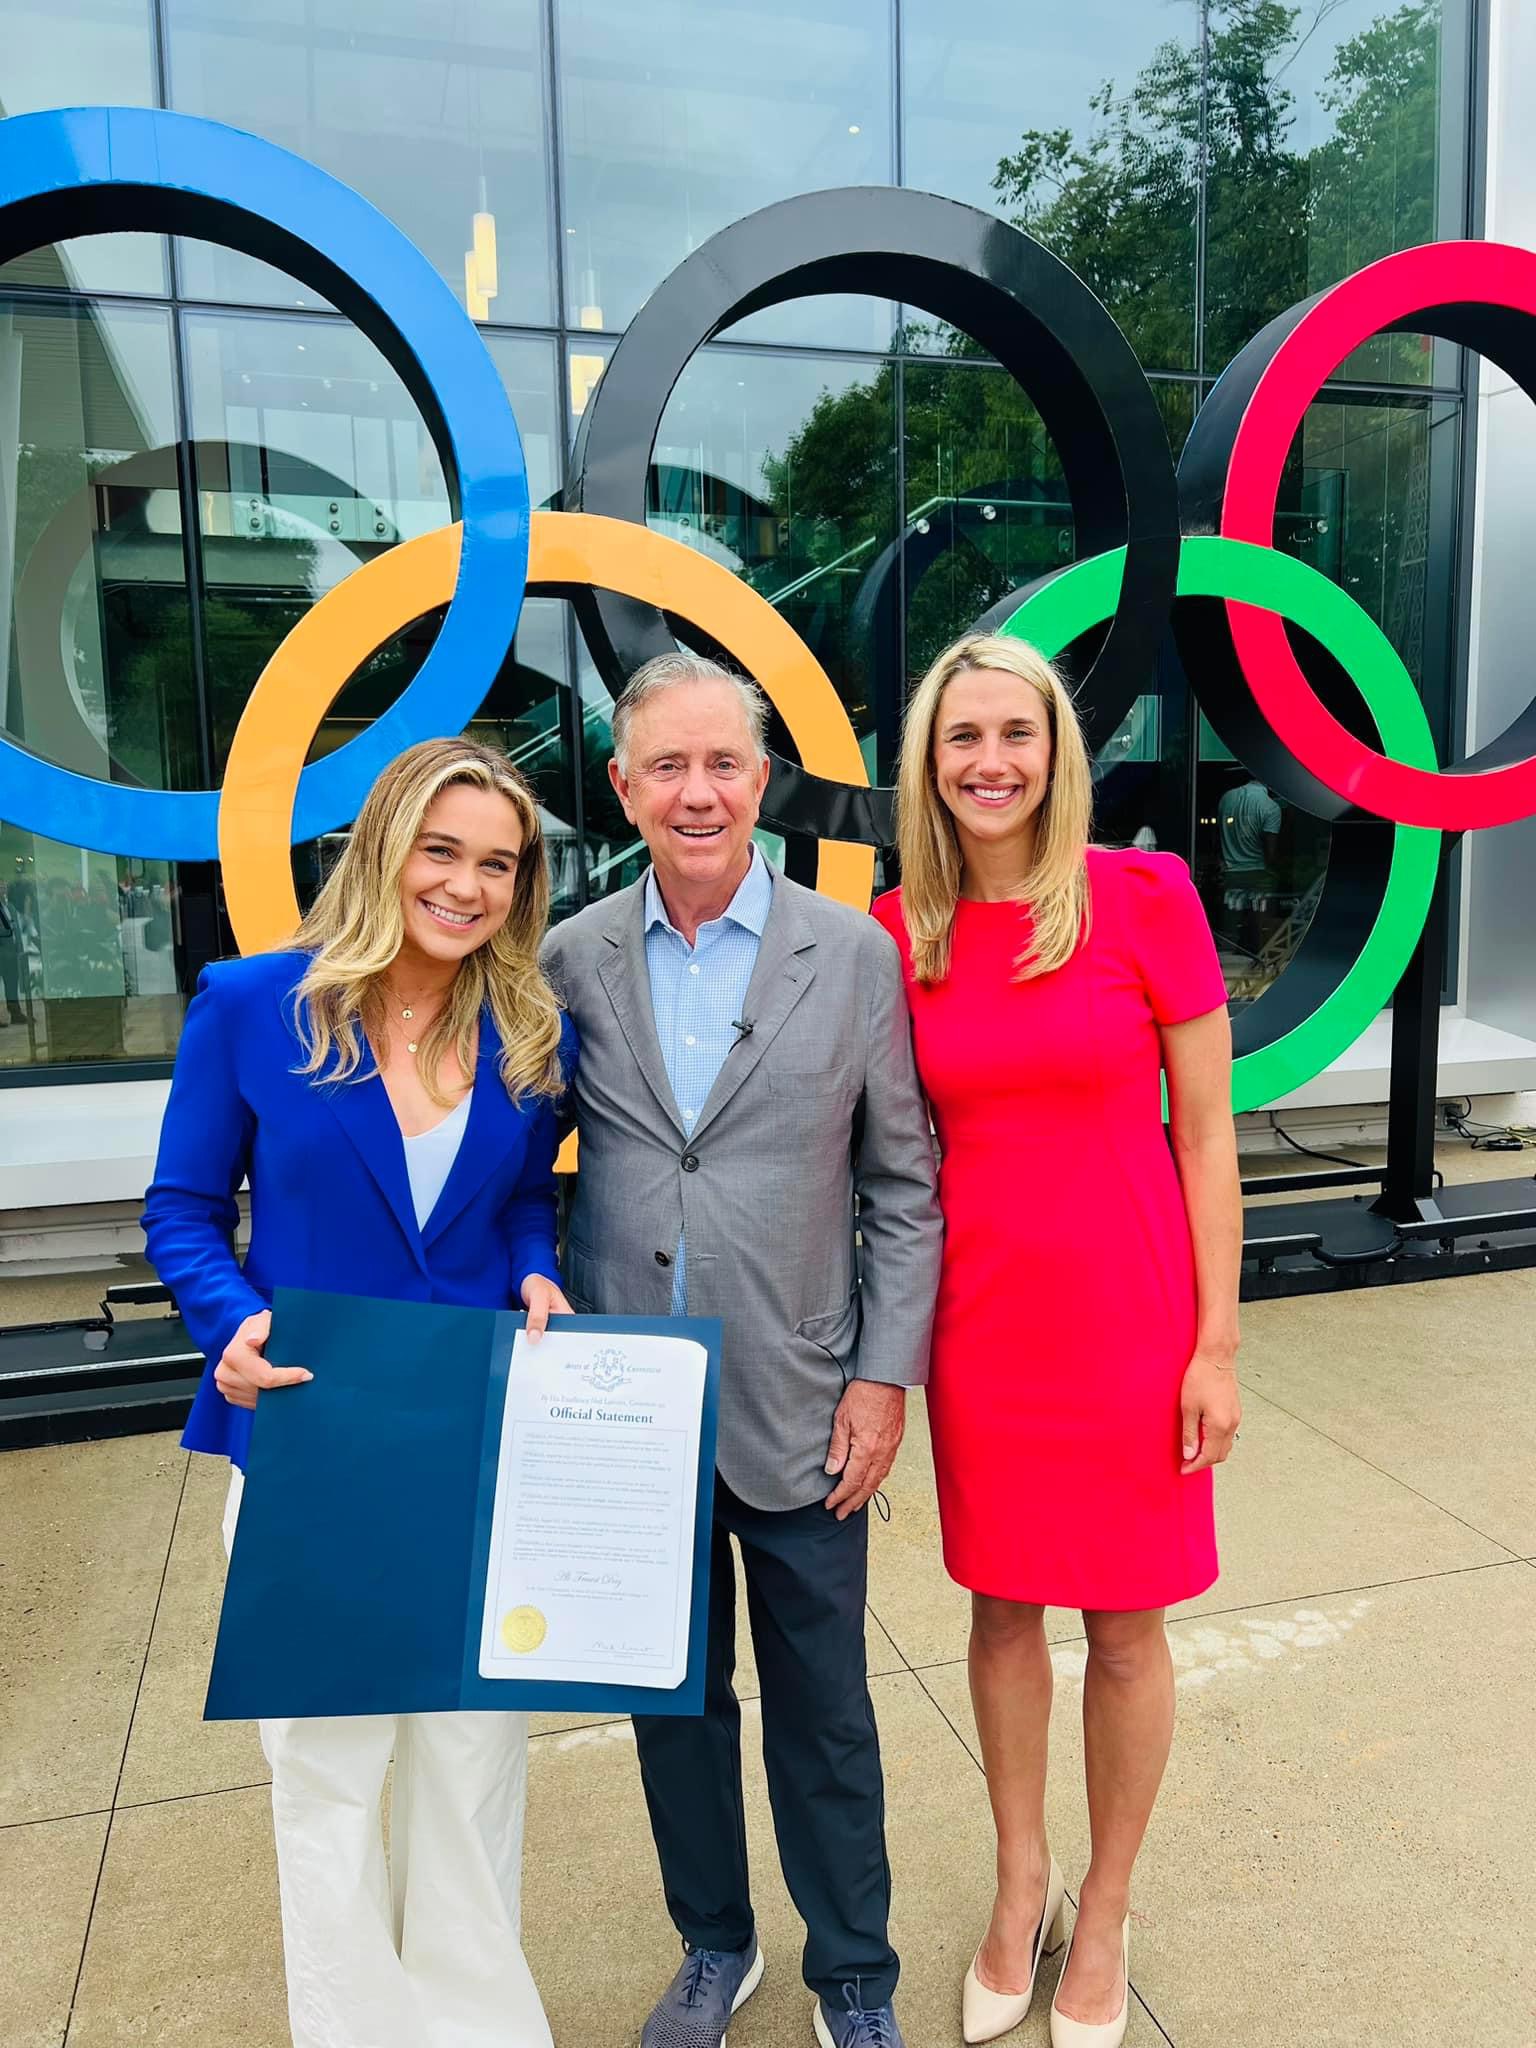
x=856 y=2026
x=695 y=2009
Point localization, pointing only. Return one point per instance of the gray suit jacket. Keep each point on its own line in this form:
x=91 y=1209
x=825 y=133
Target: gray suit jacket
x=820 y=1102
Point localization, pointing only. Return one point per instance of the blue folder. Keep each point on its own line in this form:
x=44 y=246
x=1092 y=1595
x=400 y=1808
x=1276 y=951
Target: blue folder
x=358 y=1574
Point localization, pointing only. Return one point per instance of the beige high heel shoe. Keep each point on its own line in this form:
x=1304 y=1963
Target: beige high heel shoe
x=1070 y=2033
x=987 y=2014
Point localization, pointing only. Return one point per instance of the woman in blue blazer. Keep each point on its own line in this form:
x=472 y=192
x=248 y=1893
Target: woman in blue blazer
x=388 y=1086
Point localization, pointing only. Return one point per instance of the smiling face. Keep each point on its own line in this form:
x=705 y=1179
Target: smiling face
x=992 y=758
x=692 y=785
x=457 y=884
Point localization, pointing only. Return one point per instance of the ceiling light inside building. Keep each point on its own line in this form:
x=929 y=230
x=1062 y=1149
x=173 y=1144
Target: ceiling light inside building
x=476 y=304
x=484 y=246
x=585 y=371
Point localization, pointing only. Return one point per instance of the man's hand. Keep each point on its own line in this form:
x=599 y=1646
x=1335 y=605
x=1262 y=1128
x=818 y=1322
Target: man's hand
x=242 y=1373
x=866 y=1435
x=542 y=1299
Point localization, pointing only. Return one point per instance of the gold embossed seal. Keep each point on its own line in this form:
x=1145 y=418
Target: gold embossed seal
x=523 y=1629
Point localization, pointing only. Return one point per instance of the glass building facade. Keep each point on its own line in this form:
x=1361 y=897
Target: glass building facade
x=193 y=447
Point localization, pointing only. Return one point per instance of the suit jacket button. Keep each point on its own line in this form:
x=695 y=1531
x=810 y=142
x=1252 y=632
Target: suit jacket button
x=690 y=1162
x=663 y=1258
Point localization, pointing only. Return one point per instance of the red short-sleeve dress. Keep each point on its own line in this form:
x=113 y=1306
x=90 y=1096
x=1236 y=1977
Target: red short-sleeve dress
x=1067 y=1310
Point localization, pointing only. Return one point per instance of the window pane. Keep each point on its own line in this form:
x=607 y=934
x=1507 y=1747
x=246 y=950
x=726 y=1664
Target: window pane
x=614 y=851
x=585 y=363
x=1260 y=865
x=95 y=674
x=1355 y=500
x=95 y=662
x=312 y=459
x=1336 y=138
x=527 y=715
x=1361 y=508
x=93 y=955
x=987 y=512
x=784 y=469
x=436 y=115
x=987 y=507
x=679 y=118
x=76 y=53
x=1080 y=125
x=527 y=369
x=1355 y=503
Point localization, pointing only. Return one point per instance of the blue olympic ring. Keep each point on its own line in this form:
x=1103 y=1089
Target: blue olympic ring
x=180 y=175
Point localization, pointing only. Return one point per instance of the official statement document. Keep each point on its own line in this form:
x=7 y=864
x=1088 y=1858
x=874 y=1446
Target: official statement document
x=590 y=1574
x=447 y=1517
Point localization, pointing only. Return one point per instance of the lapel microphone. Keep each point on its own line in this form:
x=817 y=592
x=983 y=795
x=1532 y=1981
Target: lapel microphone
x=742 y=1026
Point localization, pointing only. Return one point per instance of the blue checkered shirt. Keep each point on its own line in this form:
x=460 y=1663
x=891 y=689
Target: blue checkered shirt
x=696 y=993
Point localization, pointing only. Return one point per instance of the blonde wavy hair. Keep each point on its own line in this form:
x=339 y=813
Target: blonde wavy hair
x=356 y=927
x=1057 y=888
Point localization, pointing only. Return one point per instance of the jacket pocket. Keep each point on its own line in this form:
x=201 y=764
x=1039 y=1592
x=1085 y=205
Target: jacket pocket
x=836 y=1333
x=579 y=1274
x=807 y=1083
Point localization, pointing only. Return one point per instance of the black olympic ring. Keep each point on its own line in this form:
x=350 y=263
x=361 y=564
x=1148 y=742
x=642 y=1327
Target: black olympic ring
x=1006 y=291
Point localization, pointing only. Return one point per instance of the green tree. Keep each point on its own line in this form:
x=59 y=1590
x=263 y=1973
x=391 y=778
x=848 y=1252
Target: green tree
x=1119 y=204
x=1374 y=182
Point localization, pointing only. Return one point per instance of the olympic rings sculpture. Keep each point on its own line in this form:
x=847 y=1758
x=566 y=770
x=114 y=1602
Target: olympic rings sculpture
x=1189 y=548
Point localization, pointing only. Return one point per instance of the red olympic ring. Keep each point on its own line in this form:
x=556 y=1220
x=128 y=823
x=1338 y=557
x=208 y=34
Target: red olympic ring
x=1383 y=295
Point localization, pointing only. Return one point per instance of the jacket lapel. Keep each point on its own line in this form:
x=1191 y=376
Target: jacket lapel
x=488 y=1139
x=363 y=1110
x=781 y=976
x=628 y=986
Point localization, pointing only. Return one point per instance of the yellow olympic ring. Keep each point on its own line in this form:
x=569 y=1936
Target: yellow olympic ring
x=382 y=597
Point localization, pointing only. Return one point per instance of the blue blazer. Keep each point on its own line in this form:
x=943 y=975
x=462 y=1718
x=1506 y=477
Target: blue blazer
x=330 y=1198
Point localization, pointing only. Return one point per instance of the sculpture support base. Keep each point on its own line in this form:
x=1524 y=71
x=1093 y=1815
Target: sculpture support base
x=1324 y=1246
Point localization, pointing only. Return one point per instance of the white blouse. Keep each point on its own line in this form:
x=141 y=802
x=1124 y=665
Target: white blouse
x=429 y=1157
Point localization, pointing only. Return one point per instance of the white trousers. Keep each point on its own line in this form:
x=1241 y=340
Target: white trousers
x=424 y=1949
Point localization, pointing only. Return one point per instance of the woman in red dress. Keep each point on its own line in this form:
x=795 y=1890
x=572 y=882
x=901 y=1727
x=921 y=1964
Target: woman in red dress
x=1082 y=1383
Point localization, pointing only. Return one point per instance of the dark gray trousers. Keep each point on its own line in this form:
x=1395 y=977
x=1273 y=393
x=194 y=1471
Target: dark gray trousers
x=806 y=1575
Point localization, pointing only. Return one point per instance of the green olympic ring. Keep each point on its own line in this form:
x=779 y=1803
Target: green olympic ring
x=1210 y=566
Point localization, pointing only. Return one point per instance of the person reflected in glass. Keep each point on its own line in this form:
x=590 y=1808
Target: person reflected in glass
x=389 y=1083
x=11 y=1011
x=1249 y=832
x=1082 y=1381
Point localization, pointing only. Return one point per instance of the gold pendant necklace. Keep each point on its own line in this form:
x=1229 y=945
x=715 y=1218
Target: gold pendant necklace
x=407 y=1015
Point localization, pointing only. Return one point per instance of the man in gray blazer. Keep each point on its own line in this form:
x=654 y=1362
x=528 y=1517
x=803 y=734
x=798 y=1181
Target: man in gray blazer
x=746 y=1072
